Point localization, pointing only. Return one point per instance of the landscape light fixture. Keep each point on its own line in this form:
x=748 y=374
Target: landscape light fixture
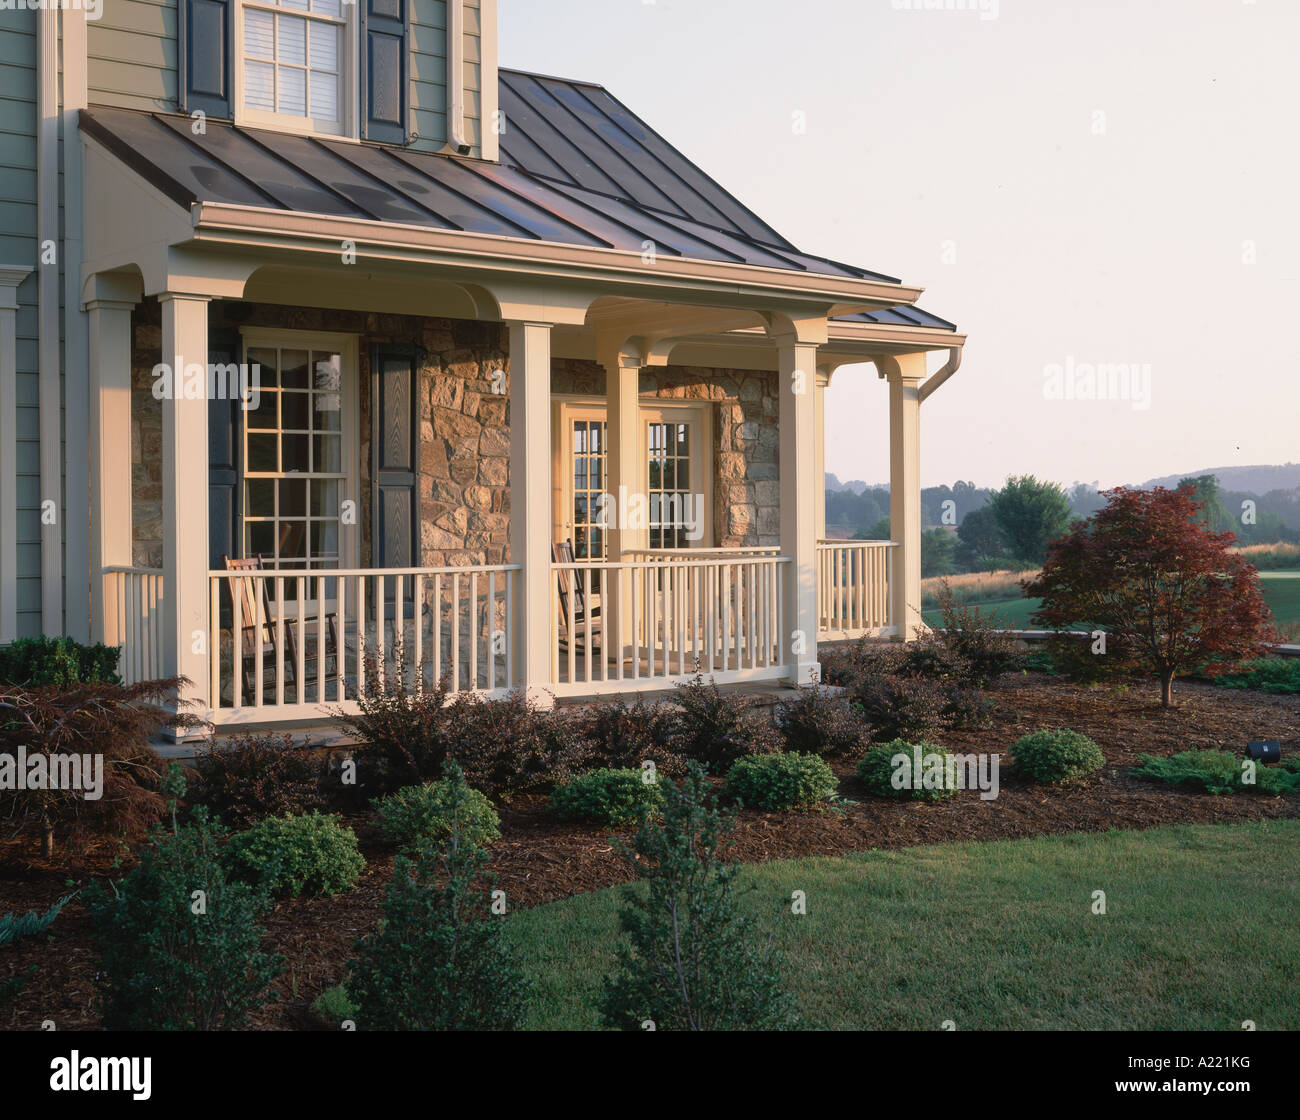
x=1264 y=750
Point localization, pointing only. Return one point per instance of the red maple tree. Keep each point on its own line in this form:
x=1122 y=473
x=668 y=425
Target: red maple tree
x=1144 y=570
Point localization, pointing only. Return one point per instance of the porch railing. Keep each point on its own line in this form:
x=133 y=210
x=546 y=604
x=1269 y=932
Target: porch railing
x=853 y=586
x=293 y=639
x=133 y=619
x=637 y=623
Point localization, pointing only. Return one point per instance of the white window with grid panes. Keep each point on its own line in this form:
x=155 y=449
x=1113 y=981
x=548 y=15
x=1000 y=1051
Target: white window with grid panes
x=296 y=67
x=299 y=449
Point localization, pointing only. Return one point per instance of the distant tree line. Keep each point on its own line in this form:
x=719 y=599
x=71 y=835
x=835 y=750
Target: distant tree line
x=968 y=528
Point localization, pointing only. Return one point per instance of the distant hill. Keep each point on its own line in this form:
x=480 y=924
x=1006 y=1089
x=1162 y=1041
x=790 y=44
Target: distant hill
x=854 y=485
x=1251 y=480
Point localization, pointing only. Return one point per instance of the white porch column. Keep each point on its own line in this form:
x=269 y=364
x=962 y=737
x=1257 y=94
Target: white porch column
x=905 y=374
x=823 y=382
x=797 y=361
x=530 y=503
x=625 y=475
x=109 y=312
x=187 y=635
x=10 y=277
x=623 y=454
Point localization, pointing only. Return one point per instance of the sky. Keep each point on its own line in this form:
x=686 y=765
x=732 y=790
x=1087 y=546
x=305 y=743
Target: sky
x=1076 y=183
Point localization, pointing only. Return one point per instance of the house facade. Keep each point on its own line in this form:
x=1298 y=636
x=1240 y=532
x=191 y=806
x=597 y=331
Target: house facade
x=332 y=351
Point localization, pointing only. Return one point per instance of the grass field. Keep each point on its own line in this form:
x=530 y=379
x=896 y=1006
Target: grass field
x=1281 y=592
x=1199 y=934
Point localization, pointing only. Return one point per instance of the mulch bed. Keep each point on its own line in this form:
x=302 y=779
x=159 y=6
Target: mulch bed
x=540 y=860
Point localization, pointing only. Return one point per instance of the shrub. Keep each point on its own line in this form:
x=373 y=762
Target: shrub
x=420 y=814
x=438 y=961
x=847 y=664
x=913 y=708
x=166 y=967
x=15 y=926
x=877 y=771
x=978 y=639
x=333 y=1007
x=1278 y=675
x=608 y=797
x=1057 y=756
x=821 y=723
x=716 y=728
x=57 y=663
x=109 y=724
x=508 y=746
x=690 y=960
x=255 y=777
x=407 y=729
x=622 y=735
x=1216 y=772
x=929 y=658
x=307 y=854
x=781 y=781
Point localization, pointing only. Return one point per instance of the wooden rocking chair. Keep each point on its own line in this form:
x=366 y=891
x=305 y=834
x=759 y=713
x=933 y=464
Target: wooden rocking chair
x=271 y=656
x=562 y=553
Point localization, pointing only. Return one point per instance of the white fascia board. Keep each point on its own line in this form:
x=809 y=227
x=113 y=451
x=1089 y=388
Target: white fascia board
x=260 y=229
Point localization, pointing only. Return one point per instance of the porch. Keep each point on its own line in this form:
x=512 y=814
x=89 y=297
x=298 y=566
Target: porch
x=639 y=624
x=459 y=363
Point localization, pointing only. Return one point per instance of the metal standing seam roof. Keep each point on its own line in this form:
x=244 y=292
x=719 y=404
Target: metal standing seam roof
x=577 y=168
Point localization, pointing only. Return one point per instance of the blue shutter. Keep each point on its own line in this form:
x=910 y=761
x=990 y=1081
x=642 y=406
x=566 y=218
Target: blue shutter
x=395 y=540
x=385 y=70
x=207 y=56
x=224 y=433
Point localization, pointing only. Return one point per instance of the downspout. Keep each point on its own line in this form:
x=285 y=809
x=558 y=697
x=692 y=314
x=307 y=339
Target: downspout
x=47 y=331
x=456 y=77
x=951 y=366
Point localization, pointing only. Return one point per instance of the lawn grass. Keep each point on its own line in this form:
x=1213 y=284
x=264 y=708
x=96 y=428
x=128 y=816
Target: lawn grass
x=1281 y=593
x=1199 y=934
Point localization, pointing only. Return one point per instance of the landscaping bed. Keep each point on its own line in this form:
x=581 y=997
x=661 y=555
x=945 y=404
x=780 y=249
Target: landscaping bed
x=540 y=859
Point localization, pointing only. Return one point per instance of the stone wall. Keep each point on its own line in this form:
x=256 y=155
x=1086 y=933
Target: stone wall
x=464 y=464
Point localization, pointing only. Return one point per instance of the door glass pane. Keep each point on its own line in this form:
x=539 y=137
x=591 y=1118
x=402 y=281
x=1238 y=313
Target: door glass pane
x=672 y=505
x=587 y=437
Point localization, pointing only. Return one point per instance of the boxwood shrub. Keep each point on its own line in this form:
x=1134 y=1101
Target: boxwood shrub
x=795 y=780
x=1057 y=756
x=419 y=814
x=876 y=771
x=307 y=854
x=58 y=662
x=608 y=797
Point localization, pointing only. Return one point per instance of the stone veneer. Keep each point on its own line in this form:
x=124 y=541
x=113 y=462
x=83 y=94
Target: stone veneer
x=464 y=495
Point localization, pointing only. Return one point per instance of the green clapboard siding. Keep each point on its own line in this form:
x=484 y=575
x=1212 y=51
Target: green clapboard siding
x=132 y=55
x=18 y=246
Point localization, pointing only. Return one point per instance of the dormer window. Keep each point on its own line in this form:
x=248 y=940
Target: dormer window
x=295 y=65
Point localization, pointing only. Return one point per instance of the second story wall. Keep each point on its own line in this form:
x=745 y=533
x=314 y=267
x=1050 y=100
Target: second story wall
x=133 y=63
